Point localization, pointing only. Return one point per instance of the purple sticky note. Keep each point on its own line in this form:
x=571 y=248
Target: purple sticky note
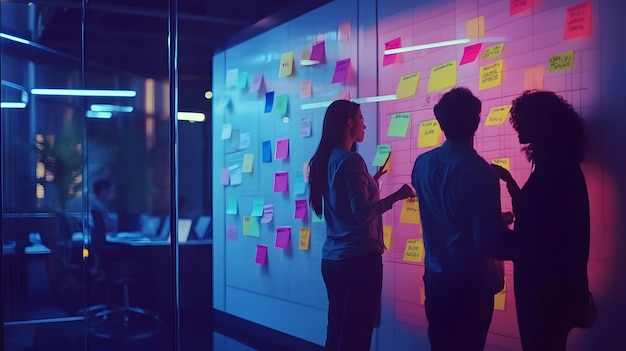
x=282 y=237
x=301 y=208
x=392 y=44
x=341 y=71
x=470 y=53
x=282 y=149
x=225 y=176
x=281 y=182
x=317 y=54
x=256 y=82
x=261 y=254
x=231 y=232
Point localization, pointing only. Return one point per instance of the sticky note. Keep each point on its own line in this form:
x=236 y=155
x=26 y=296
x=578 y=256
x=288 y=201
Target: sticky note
x=282 y=149
x=578 y=21
x=392 y=44
x=255 y=228
x=502 y=162
x=533 y=78
x=231 y=232
x=225 y=179
x=475 y=28
x=305 y=238
x=257 y=81
x=491 y=75
x=261 y=254
x=248 y=160
x=242 y=80
x=306 y=89
x=442 y=76
x=429 y=134
x=341 y=71
x=518 y=6
x=497 y=115
x=410 y=211
x=317 y=219
x=414 y=250
x=299 y=186
x=493 y=51
x=266 y=147
x=382 y=153
x=257 y=207
x=244 y=140
x=305 y=171
x=387 y=165
x=301 y=209
x=305 y=127
x=282 y=237
x=470 y=53
x=227 y=130
x=281 y=182
x=562 y=61
x=269 y=101
x=246 y=225
x=407 y=86
x=286 y=64
x=317 y=54
x=232 y=206
x=499 y=298
x=235 y=175
x=235 y=140
x=268 y=213
x=231 y=77
x=344 y=31
x=280 y=105
x=399 y=124
x=387 y=236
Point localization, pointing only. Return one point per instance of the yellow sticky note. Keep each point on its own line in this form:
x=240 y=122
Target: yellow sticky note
x=475 y=27
x=442 y=76
x=410 y=211
x=429 y=134
x=286 y=64
x=422 y=295
x=533 y=78
x=407 y=86
x=503 y=162
x=248 y=160
x=493 y=51
x=499 y=299
x=414 y=250
x=561 y=61
x=387 y=236
x=246 y=225
x=491 y=75
x=305 y=238
x=497 y=115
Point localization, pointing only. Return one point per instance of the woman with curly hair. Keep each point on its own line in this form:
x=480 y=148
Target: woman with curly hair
x=552 y=227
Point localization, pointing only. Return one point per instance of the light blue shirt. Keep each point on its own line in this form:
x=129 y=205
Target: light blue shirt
x=352 y=208
x=459 y=200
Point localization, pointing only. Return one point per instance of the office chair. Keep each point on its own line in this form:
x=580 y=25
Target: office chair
x=124 y=323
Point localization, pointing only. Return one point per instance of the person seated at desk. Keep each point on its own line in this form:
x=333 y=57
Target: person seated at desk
x=104 y=194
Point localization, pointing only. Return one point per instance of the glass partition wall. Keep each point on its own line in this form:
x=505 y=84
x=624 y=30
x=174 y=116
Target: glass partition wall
x=88 y=187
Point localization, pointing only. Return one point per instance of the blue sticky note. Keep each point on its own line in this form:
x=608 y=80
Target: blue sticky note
x=267 y=151
x=269 y=101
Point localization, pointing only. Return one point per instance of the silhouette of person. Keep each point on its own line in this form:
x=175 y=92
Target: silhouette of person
x=463 y=229
x=552 y=227
x=348 y=195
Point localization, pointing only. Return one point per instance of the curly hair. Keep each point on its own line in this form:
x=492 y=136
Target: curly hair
x=549 y=125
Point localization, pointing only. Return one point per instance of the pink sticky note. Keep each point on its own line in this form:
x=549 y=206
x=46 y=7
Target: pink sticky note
x=341 y=71
x=256 y=82
x=282 y=237
x=225 y=176
x=301 y=208
x=306 y=89
x=470 y=53
x=518 y=6
x=317 y=54
x=261 y=254
x=282 y=149
x=231 y=232
x=392 y=44
x=281 y=182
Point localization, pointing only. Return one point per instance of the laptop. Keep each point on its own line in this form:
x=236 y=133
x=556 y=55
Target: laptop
x=202 y=227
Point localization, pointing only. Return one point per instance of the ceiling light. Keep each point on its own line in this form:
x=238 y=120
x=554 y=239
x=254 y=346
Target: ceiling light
x=111 y=108
x=357 y=100
x=306 y=62
x=16 y=39
x=84 y=92
x=191 y=116
x=98 y=114
x=9 y=104
x=208 y=95
x=427 y=46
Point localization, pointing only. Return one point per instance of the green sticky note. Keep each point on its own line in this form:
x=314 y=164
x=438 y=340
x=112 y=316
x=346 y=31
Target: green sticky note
x=382 y=153
x=242 y=80
x=255 y=228
x=280 y=105
x=315 y=218
x=257 y=207
x=399 y=124
x=232 y=206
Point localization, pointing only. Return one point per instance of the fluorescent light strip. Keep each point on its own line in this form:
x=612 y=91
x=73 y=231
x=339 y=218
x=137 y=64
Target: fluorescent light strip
x=357 y=100
x=111 y=108
x=7 y=104
x=16 y=39
x=426 y=46
x=98 y=114
x=84 y=92
x=308 y=62
x=191 y=116
x=315 y=105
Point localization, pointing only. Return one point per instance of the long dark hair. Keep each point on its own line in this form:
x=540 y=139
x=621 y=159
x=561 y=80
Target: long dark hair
x=335 y=118
x=553 y=128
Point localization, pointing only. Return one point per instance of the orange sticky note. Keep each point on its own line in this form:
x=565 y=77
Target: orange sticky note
x=305 y=238
x=500 y=298
x=387 y=236
x=578 y=22
x=475 y=28
x=414 y=250
x=533 y=78
x=286 y=64
x=410 y=211
x=503 y=162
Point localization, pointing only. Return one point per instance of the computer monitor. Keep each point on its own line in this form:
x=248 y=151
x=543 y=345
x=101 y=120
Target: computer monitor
x=150 y=225
x=202 y=226
x=184 y=228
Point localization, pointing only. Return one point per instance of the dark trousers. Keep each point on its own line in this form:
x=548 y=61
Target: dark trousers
x=458 y=317
x=354 y=287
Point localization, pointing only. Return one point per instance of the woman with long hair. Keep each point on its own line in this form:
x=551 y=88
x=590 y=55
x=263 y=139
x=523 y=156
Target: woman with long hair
x=342 y=188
